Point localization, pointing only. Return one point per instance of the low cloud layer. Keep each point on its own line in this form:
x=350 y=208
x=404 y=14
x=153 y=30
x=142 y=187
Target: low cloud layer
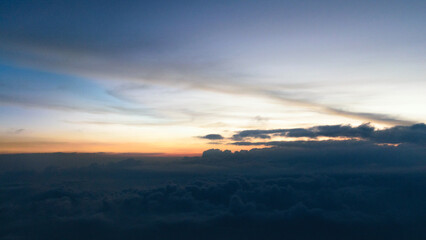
x=298 y=190
x=290 y=207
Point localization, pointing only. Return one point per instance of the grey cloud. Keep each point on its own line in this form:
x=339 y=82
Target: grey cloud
x=18 y=131
x=382 y=118
x=363 y=130
x=399 y=134
x=261 y=119
x=212 y=137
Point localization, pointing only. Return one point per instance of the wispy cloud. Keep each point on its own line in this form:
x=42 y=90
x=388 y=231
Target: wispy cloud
x=73 y=107
x=199 y=75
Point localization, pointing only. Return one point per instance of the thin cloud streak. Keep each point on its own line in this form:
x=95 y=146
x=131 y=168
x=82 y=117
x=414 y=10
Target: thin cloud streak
x=310 y=105
x=45 y=104
x=191 y=75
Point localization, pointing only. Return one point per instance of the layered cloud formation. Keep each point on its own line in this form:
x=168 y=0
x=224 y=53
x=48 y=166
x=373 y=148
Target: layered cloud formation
x=295 y=190
x=291 y=207
x=414 y=134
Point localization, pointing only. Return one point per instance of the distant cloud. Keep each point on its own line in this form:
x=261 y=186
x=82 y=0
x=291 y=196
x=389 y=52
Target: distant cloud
x=313 y=132
x=212 y=137
x=399 y=134
x=18 y=131
x=25 y=101
x=261 y=119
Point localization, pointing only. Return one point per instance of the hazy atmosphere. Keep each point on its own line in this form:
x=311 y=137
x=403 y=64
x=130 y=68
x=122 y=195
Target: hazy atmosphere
x=212 y=119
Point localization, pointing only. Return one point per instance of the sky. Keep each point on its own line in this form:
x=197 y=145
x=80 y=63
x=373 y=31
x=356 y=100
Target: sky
x=180 y=77
x=212 y=119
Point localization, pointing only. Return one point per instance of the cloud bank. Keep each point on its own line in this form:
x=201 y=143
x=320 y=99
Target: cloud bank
x=399 y=134
x=298 y=190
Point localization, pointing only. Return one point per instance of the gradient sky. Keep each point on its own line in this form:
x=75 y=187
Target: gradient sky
x=152 y=77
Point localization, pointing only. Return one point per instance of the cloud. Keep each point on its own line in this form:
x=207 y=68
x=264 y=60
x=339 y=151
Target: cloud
x=377 y=117
x=292 y=206
x=292 y=190
x=187 y=74
x=18 y=131
x=72 y=107
x=212 y=137
x=145 y=57
x=349 y=189
x=157 y=122
x=399 y=134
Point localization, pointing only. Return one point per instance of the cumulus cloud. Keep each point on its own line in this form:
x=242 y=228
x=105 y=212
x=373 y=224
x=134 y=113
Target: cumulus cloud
x=297 y=190
x=291 y=206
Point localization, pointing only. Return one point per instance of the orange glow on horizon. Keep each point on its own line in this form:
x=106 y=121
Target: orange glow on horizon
x=147 y=149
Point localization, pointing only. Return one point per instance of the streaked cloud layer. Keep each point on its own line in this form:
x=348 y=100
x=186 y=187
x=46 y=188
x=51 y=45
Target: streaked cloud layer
x=143 y=76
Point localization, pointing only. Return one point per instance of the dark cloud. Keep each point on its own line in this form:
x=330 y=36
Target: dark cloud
x=212 y=137
x=299 y=190
x=216 y=153
x=399 y=134
x=410 y=134
x=214 y=206
x=363 y=130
